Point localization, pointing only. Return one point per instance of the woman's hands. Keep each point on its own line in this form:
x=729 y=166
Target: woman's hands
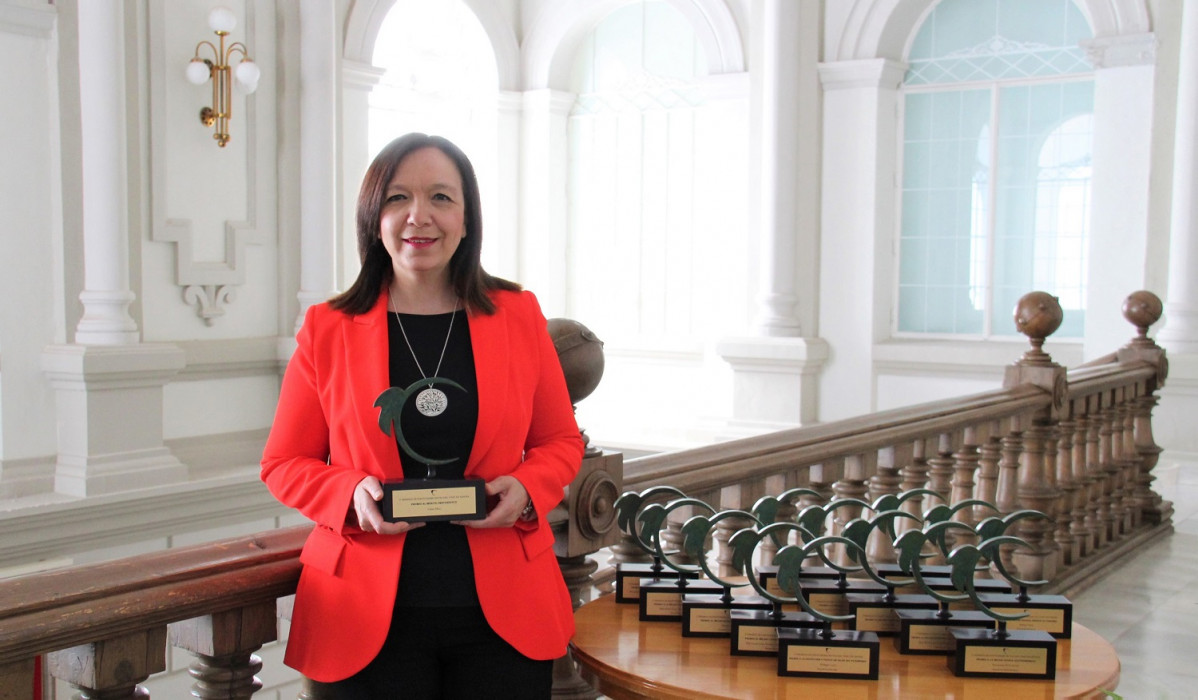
x=512 y=497
x=367 y=495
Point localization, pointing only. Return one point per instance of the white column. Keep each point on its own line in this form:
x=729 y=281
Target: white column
x=106 y=295
x=360 y=80
x=318 y=153
x=543 y=178
x=780 y=99
x=775 y=374
x=1180 y=332
x=501 y=237
x=1121 y=193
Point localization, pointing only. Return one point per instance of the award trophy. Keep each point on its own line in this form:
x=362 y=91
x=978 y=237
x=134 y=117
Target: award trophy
x=894 y=502
x=929 y=631
x=766 y=509
x=629 y=574
x=755 y=632
x=822 y=652
x=831 y=593
x=876 y=612
x=938 y=577
x=661 y=600
x=708 y=615
x=1048 y=613
x=996 y=653
x=430 y=498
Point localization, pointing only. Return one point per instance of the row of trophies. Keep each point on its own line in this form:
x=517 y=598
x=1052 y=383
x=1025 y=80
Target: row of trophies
x=840 y=605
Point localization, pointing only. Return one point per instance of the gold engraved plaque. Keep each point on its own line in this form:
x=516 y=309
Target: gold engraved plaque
x=877 y=620
x=423 y=500
x=931 y=638
x=1006 y=660
x=827 y=660
x=710 y=621
x=1050 y=620
x=757 y=638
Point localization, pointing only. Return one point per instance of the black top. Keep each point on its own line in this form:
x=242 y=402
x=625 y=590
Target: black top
x=437 y=570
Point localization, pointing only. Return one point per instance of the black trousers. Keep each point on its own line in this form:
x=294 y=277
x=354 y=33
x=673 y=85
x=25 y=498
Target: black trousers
x=446 y=654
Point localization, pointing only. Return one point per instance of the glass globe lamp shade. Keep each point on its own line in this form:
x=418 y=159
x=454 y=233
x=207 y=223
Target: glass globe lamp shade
x=247 y=74
x=222 y=19
x=198 y=72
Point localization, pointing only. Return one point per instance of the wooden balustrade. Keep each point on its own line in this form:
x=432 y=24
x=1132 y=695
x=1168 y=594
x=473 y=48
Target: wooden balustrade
x=1077 y=446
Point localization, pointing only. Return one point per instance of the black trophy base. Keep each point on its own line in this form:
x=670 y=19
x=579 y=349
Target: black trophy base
x=429 y=500
x=926 y=632
x=811 y=653
x=629 y=575
x=831 y=597
x=755 y=632
x=944 y=584
x=710 y=615
x=1047 y=613
x=891 y=570
x=661 y=601
x=874 y=613
x=985 y=654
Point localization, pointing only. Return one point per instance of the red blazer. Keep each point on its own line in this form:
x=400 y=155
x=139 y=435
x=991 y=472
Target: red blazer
x=326 y=438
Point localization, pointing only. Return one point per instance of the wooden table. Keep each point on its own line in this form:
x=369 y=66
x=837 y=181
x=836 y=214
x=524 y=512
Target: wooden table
x=626 y=658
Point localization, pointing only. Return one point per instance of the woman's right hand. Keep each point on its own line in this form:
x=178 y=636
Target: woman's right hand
x=367 y=495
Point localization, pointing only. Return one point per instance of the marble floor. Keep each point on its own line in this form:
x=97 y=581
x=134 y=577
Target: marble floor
x=1148 y=608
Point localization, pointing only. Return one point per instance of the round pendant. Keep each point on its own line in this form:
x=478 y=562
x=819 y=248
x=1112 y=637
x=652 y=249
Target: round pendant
x=431 y=402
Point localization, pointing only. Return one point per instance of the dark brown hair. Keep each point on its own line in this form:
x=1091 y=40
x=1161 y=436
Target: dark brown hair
x=466 y=274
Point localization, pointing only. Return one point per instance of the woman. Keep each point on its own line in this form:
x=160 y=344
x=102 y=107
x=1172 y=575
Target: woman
x=394 y=609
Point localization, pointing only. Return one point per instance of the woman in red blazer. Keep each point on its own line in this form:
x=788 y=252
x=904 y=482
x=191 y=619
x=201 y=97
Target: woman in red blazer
x=393 y=609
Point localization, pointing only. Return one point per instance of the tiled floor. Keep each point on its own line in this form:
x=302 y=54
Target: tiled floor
x=1149 y=608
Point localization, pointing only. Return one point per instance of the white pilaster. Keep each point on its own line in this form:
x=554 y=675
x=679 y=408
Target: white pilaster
x=318 y=153
x=857 y=226
x=543 y=179
x=109 y=405
x=501 y=248
x=780 y=129
x=1119 y=218
x=1180 y=332
x=106 y=295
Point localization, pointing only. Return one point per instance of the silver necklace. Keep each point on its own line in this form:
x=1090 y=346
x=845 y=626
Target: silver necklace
x=431 y=402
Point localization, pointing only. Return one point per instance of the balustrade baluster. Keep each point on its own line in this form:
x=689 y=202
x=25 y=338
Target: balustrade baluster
x=1083 y=530
x=1152 y=507
x=989 y=453
x=1095 y=515
x=1108 y=471
x=966 y=461
x=1129 y=459
x=1036 y=492
x=567 y=682
x=915 y=476
x=887 y=481
x=224 y=644
x=111 y=669
x=852 y=485
x=1008 y=484
x=1070 y=549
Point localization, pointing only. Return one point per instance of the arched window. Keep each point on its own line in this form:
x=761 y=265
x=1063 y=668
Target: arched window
x=657 y=192
x=441 y=78
x=997 y=107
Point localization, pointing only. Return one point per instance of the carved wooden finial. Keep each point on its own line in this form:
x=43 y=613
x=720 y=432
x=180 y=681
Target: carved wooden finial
x=1038 y=315
x=1142 y=309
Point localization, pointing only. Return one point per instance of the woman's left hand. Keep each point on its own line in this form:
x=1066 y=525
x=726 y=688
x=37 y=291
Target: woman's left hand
x=512 y=497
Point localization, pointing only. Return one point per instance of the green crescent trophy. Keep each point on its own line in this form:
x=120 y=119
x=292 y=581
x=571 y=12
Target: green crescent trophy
x=708 y=615
x=629 y=574
x=661 y=600
x=938 y=576
x=1048 y=613
x=430 y=498
x=929 y=631
x=755 y=632
x=877 y=612
x=996 y=652
x=768 y=509
x=830 y=591
x=823 y=652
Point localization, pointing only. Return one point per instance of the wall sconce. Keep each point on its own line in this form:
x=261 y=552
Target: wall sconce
x=199 y=70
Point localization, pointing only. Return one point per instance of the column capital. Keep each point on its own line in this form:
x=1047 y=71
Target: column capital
x=879 y=73
x=358 y=75
x=1121 y=51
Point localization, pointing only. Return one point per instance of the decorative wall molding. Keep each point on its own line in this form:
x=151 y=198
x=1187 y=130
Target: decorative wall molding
x=27 y=18
x=207 y=286
x=863 y=73
x=1121 y=51
x=228 y=358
